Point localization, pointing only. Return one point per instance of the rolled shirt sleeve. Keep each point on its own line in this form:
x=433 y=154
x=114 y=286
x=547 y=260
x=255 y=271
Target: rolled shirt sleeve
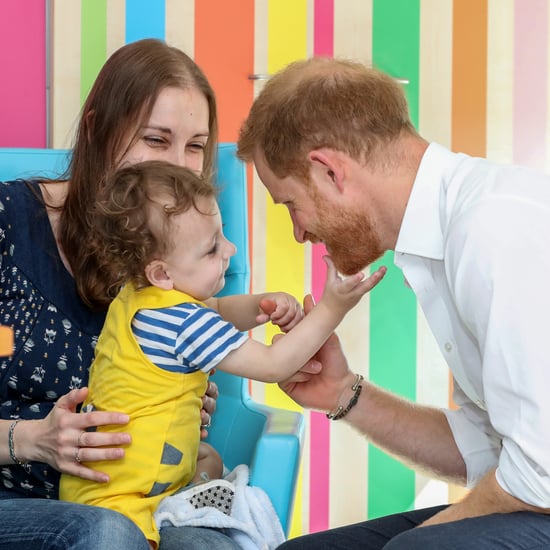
x=475 y=438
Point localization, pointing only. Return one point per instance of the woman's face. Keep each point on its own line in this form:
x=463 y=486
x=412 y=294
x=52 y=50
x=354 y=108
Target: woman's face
x=176 y=132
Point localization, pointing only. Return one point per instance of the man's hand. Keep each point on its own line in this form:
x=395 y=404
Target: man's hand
x=319 y=384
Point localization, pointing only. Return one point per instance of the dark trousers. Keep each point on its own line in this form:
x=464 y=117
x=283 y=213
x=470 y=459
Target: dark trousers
x=517 y=531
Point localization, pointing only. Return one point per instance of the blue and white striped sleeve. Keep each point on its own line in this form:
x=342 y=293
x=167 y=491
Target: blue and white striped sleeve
x=206 y=339
x=185 y=338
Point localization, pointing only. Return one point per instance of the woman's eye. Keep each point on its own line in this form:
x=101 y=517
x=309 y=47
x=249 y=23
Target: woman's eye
x=154 y=140
x=213 y=250
x=197 y=146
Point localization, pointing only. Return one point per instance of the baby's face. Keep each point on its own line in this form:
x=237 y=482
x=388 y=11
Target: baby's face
x=200 y=256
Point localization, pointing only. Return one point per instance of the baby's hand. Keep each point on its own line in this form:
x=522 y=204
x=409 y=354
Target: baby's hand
x=281 y=309
x=342 y=294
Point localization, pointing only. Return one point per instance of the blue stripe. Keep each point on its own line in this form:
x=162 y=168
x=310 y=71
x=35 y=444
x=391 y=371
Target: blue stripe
x=222 y=351
x=156 y=324
x=145 y=19
x=183 y=338
x=213 y=340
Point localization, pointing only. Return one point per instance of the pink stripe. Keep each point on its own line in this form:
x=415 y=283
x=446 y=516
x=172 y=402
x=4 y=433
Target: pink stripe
x=319 y=492
x=23 y=82
x=323 y=28
x=530 y=81
x=319 y=470
x=319 y=489
x=318 y=270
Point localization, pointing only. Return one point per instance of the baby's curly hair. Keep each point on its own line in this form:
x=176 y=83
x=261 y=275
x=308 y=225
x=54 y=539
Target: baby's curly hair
x=131 y=220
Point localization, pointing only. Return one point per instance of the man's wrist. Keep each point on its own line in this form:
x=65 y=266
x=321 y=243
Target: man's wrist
x=348 y=399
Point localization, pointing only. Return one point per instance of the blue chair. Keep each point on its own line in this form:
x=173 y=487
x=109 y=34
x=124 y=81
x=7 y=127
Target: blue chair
x=268 y=440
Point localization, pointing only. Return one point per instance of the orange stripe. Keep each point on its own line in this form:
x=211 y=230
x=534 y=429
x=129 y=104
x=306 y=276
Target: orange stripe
x=224 y=49
x=469 y=84
x=469 y=103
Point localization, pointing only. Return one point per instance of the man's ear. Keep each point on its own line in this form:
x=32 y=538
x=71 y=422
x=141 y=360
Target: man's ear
x=156 y=274
x=330 y=164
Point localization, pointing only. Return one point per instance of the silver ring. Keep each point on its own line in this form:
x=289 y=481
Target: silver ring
x=207 y=425
x=76 y=457
x=79 y=444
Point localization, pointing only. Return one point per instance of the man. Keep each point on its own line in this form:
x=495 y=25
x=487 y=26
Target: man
x=333 y=141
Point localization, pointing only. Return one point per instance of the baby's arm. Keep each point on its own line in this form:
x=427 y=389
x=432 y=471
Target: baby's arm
x=247 y=311
x=287 y=355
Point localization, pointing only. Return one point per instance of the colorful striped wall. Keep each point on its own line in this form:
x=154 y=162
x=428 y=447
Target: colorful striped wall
x=476 y=76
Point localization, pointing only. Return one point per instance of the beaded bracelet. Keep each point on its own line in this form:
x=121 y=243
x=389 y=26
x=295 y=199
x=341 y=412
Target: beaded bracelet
x=340 y=412
x=25 y=465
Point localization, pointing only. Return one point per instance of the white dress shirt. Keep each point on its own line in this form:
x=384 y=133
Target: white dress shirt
x=474 y=246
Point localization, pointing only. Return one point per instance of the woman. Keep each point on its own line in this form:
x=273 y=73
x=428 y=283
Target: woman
x=149 y=101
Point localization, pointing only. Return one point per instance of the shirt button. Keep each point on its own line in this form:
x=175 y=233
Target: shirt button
x=448 y=347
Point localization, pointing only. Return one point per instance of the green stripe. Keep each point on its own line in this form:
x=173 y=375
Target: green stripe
x=93 y=43
x=391 y=485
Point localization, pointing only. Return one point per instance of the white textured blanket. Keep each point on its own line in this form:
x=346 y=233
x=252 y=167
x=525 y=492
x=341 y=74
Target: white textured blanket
x=253 y=523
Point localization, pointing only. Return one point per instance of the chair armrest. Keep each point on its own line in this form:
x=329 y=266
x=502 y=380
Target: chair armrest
x=269 y=440
x=276 y=461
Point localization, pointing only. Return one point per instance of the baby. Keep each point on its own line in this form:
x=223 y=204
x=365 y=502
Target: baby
x=164 y=253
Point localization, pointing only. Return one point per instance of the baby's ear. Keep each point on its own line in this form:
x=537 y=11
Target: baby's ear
x=156 y=274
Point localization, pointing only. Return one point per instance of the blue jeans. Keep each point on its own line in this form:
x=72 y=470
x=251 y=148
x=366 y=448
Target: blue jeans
x=194 y=538
x=32 y=523
x=517 y=531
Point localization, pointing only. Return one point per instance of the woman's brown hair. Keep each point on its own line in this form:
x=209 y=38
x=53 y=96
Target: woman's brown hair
x=121 y=98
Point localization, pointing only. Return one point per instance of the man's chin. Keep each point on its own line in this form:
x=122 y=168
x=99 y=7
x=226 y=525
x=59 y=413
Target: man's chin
x=350 y=265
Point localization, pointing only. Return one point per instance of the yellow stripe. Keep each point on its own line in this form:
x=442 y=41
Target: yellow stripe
x=284 y=258
x=287 y=32
x=287 y=41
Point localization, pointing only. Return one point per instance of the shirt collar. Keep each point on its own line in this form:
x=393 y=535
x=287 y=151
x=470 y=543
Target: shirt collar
x=420 y=233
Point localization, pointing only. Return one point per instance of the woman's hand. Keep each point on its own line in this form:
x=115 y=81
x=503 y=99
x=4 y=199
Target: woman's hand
x=208 y=406
x=281 y=309
x=62 y=440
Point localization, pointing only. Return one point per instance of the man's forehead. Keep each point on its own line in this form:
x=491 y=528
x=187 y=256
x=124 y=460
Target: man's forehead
x=266 y=175
x=282 y=190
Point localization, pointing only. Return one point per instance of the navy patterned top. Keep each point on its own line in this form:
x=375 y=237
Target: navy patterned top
x=54 y=332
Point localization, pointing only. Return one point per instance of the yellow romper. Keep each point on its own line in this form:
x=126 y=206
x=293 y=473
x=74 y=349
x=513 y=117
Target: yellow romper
x=164 y=409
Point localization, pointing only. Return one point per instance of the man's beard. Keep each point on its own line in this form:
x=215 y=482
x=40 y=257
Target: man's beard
x=350 y=238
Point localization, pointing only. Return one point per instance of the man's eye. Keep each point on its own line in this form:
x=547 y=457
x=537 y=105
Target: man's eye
x=213 y=250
